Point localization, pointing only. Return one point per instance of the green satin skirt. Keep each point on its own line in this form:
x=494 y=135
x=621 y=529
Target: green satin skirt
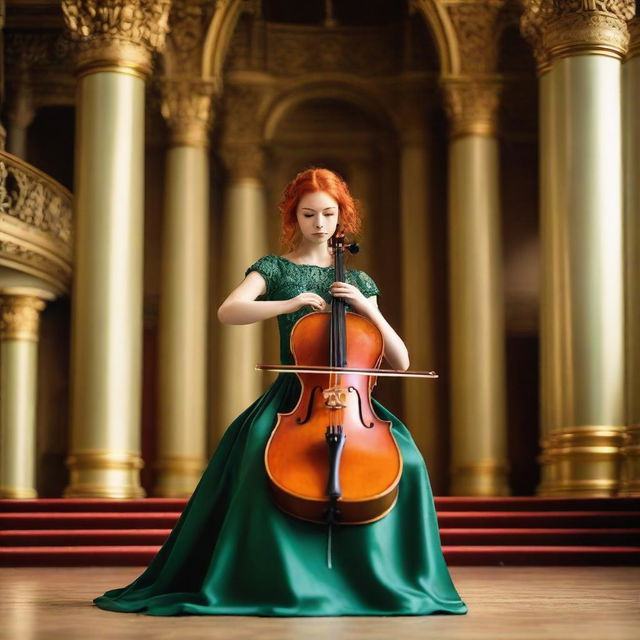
x=233 y=552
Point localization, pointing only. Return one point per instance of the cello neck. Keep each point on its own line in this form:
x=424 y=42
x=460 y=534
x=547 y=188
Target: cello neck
x=337 y=343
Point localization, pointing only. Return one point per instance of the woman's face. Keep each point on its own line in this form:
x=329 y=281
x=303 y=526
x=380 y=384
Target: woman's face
x=317 y=214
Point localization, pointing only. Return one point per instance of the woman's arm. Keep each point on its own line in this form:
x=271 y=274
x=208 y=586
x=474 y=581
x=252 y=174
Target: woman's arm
x=395 y=350
x=241 y=306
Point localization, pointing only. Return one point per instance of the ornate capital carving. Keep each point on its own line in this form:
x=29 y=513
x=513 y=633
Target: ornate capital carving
x=36 y=224
x=477 y=25
x=244 y=161
x=20 y=317
x=188 y=22
x=558 y=29
x=472 y=104
x=117 y=33
x=187 y=108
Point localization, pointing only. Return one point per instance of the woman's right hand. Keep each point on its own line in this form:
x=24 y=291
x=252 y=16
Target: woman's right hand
x=313 y=300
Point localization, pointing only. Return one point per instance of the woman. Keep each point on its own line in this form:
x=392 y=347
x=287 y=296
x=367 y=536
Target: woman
x=233 y=551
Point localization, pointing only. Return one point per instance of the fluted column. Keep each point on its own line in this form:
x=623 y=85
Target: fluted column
x=19 y=331
x=114 y=57
x=579 y=47
x=478 y=406
x=630 y=477
x=182 y=437
x=243 y=241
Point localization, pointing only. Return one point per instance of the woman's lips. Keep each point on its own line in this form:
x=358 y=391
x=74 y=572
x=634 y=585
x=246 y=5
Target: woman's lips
x=319 y=234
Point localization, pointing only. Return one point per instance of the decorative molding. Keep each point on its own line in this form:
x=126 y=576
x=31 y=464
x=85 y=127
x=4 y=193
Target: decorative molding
x=35 y=199
x=583 y=460
x=477 y=26
x=20 y=317
x=36 y=232
x=119 y=33
x=573 y=27
x=189 y=21
x=472 y=104
x=295 y=50
x=187 y=108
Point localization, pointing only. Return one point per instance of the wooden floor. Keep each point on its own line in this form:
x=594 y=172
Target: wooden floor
x=505 y=603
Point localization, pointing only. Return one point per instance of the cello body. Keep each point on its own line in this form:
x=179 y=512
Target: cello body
x=297 y=460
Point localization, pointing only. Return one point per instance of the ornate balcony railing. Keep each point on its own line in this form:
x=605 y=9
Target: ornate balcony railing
x=35 y=223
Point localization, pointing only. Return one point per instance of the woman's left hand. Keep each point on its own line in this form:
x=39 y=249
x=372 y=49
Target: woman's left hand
x=350 y=294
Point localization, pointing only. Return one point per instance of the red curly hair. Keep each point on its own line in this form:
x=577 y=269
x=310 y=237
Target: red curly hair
x=310 y=181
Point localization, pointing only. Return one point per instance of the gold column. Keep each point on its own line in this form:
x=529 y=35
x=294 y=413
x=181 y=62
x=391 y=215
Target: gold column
x=183 y=300
x=479 y=463
x=420 y=397
x=244 y=240
x=630 y=477
x=20 y=309
x=114 y=57
x=579 y=49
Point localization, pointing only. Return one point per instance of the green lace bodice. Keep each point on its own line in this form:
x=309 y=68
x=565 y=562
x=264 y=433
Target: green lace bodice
x=286 y=279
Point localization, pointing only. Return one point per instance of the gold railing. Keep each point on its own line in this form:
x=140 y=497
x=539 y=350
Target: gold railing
x=35 y=223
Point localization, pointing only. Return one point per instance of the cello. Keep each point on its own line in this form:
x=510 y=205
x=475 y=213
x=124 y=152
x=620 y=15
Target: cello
x=332 y=459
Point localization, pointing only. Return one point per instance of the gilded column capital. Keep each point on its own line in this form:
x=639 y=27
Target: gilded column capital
x=187 y=107
x=20 y=317
x=120 y=34
x=573 y=27
x=476 y=26
x=244 y=161
x=471 y=103
x=189 y=23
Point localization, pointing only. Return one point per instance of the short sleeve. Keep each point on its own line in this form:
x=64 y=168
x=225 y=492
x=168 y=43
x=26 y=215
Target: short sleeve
x=269 y=269
x=365 y=283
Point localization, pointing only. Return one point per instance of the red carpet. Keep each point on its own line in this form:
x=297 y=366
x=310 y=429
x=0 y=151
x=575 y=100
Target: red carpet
x=473 y=531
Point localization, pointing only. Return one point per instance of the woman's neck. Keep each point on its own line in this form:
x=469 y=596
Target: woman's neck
x=312 y=254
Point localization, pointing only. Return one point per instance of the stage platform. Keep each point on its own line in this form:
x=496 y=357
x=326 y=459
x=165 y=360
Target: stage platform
x=517 y=531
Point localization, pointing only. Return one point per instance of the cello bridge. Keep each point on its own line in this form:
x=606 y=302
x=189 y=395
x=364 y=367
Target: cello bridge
x=335 y=397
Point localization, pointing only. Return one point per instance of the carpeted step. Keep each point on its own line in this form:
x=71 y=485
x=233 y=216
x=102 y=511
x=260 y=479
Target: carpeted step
x=541 y=556
x=90 y=505
x=454 y=556
x=541 y=537
x=442 y=503
x=469 y=519
x=77 y=537
x=533 y=503
x=72 y=520
x=554 y=519
x=473 y=531
x=451 y=537
x=67 y=556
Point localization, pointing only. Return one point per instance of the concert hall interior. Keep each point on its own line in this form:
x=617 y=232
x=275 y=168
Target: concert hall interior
x=493 y=147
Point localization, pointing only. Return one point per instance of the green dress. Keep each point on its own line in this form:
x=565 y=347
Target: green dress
x=233 y=552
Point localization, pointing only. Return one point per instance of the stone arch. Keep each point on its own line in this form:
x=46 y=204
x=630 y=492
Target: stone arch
x=440 y=26
x=350 y=91
x=218 y=37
